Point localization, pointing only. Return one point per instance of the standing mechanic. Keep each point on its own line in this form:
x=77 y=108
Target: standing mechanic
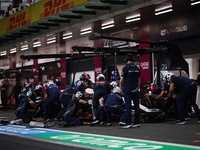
x=186 y=90
x=52 y=94
x=4 y=94
x=113 y=104
x=101 y=88
x=130 y=79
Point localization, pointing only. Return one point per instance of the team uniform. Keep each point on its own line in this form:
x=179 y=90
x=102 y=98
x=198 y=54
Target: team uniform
x=101 y=88
x=53 y=93
x=113 y=104
x=186 y=90
x=66 y=95
x=4 y=94
x=22 y=110
x=23 y=94
x=131 y=74
x=70 y=115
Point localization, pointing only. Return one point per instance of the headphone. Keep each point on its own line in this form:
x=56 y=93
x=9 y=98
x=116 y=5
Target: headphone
x=129 y=57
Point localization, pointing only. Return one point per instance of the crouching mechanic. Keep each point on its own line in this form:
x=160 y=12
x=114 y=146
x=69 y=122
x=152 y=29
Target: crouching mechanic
x=23 y=110
x=70 y=116
x=113 y=104
x=186 y=90
x=52 y=94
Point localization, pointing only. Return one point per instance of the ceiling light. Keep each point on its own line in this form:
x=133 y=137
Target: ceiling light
x=108 y=23
x=13 y=50
x=194 y=2
x=51 y=38
x=36 y=43
x=163 y=11
x=24 y=47
x=3 y=53
x=134 y=17
x=67 y=35
x=86 y=30
x=163 y=7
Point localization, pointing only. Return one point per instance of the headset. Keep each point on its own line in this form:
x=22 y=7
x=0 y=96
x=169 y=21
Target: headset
x=129 y=57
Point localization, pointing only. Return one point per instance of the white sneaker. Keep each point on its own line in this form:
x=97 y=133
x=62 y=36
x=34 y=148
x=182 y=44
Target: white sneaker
x=198 y=121
x=126 y=127
x=135 y=125
x=94 y=122
x=122 y=123
x=186 y=119
x=102 y=123
x=181 y=122
x=108 y=124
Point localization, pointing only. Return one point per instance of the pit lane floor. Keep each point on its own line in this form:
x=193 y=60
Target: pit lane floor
x=188 y=134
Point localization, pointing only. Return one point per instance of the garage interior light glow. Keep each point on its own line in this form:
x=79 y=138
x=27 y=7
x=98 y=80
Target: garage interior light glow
x=86 y=30
x=163 y=12
x=37 y=44
x=51 y=38
x=24 y=47
x=132 y=18
x=3 y=53
x=163 y=8
x=13 y=50
x=107 y=23
x=67 y=35
x=194 y=2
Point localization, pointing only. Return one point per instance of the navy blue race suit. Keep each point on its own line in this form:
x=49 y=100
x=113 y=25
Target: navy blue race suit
x=131 y=74
x=113 y=104
x=101 y=88
x=53 y=93
x=186 y=90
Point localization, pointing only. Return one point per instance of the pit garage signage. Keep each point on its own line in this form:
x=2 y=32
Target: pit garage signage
x=91 y=141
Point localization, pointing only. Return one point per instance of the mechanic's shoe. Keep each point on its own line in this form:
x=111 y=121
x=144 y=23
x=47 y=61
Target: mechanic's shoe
x=180 y=122
x=135 y=125
x=126 y=127
x=108 y=124
x=122 y=123
x=94 y=122
x=186 y=119
x=198 y=121
x=102 y=123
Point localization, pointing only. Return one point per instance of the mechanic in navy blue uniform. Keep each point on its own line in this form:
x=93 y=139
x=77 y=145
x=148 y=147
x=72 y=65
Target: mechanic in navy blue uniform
x=52 y=94
x=112 y=103
x=86 y=78
x=28 y=87
x=130 y=80
x=24 y=106
x=101 y=88
x=186 y=90
x=66 y=95
x=39 y=91
x=70 y=115
x=4 y=94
